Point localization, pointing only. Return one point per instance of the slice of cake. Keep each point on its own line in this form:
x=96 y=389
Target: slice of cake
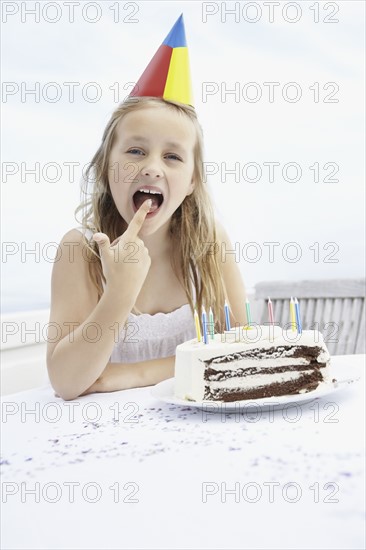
x=264 y=361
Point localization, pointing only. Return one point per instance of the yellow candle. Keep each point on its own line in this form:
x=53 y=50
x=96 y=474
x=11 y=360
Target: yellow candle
x=197 y=321
x=292 y=314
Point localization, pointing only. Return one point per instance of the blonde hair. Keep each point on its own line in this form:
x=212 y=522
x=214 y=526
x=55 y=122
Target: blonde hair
x=192 y=226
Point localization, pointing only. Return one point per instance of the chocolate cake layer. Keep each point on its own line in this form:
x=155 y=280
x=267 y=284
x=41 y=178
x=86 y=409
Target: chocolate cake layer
x=259 y=354
x=305 y=383
x=241 y=372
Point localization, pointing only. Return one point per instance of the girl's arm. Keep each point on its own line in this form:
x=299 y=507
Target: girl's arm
x=85 y=328
x=82 y=329
x=124 y=376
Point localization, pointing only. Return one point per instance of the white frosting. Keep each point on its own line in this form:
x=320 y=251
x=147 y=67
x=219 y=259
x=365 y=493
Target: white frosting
x=190 y=356
x=252 y=362
x=255 y=381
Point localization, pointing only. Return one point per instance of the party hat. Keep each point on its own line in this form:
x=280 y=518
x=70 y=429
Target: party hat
x=168 y=75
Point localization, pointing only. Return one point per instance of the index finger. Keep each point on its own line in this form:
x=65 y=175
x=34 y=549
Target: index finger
x=138 y=219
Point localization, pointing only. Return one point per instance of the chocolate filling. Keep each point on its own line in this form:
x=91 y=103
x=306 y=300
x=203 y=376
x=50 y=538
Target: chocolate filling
x=305 y=383
x=270 y=353
x=240 y=372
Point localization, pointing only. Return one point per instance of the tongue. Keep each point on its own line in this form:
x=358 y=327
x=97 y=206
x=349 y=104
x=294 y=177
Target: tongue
x=139 y=198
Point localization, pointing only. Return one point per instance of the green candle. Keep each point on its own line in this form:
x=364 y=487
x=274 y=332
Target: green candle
x=247 y=308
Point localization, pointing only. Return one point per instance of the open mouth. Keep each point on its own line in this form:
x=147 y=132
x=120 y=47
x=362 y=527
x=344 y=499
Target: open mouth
x=143 y=195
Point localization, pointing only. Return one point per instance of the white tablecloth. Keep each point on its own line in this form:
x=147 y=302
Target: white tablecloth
x=123 y=470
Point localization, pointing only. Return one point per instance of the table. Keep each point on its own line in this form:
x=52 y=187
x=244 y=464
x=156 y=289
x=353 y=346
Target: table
x=123 y=470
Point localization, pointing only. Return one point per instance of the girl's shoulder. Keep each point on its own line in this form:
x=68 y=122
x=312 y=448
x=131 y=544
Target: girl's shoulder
x=77 y=239
x=71 y=269
x=72 y=250
x=86 y=232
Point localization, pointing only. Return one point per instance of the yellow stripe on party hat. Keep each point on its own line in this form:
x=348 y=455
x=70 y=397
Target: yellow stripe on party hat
x=168 y=74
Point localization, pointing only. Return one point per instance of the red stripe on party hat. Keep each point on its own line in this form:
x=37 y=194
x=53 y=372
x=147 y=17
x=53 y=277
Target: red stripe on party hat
x=153 y=79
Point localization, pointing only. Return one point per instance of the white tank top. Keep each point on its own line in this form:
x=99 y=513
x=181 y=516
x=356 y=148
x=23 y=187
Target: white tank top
x=146 y=336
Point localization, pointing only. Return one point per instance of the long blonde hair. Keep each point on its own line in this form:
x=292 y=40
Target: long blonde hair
x=192 y=226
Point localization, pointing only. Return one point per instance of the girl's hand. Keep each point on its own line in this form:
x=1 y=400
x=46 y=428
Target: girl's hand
x=126 y=262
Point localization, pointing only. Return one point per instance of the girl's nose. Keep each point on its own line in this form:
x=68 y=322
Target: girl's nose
x=151 y=172
x=152 y=168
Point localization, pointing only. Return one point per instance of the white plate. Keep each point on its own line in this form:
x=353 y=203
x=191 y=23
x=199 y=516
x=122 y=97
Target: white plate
x=164 y=391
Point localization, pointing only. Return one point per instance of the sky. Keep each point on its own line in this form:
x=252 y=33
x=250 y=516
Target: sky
x=280 y=98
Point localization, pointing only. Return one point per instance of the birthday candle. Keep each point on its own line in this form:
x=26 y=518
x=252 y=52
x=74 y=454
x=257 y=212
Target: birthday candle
x=198 y=330
x=270 y=311
x=298 y=319
x=212 y=324
x=247 y=308
x=292 y=314
x=227 y=316
x=204 y=325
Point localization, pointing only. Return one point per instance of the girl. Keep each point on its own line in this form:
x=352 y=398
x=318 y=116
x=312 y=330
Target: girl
x=148 y=252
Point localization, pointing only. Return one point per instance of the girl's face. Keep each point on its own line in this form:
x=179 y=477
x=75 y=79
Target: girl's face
x=153 y=151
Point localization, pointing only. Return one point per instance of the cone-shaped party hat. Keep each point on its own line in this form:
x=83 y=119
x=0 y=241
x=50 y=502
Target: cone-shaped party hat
x=168 y=75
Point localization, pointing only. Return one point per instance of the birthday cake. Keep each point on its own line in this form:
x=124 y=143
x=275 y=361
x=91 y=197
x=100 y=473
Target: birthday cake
x=240 y=364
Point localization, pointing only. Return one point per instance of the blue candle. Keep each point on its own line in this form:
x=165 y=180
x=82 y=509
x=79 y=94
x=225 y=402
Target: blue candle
x=298 y=320
x=204 y=325
x=227 y=316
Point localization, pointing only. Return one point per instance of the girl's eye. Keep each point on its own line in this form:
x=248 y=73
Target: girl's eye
x=173 y=157
x=135 y=151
